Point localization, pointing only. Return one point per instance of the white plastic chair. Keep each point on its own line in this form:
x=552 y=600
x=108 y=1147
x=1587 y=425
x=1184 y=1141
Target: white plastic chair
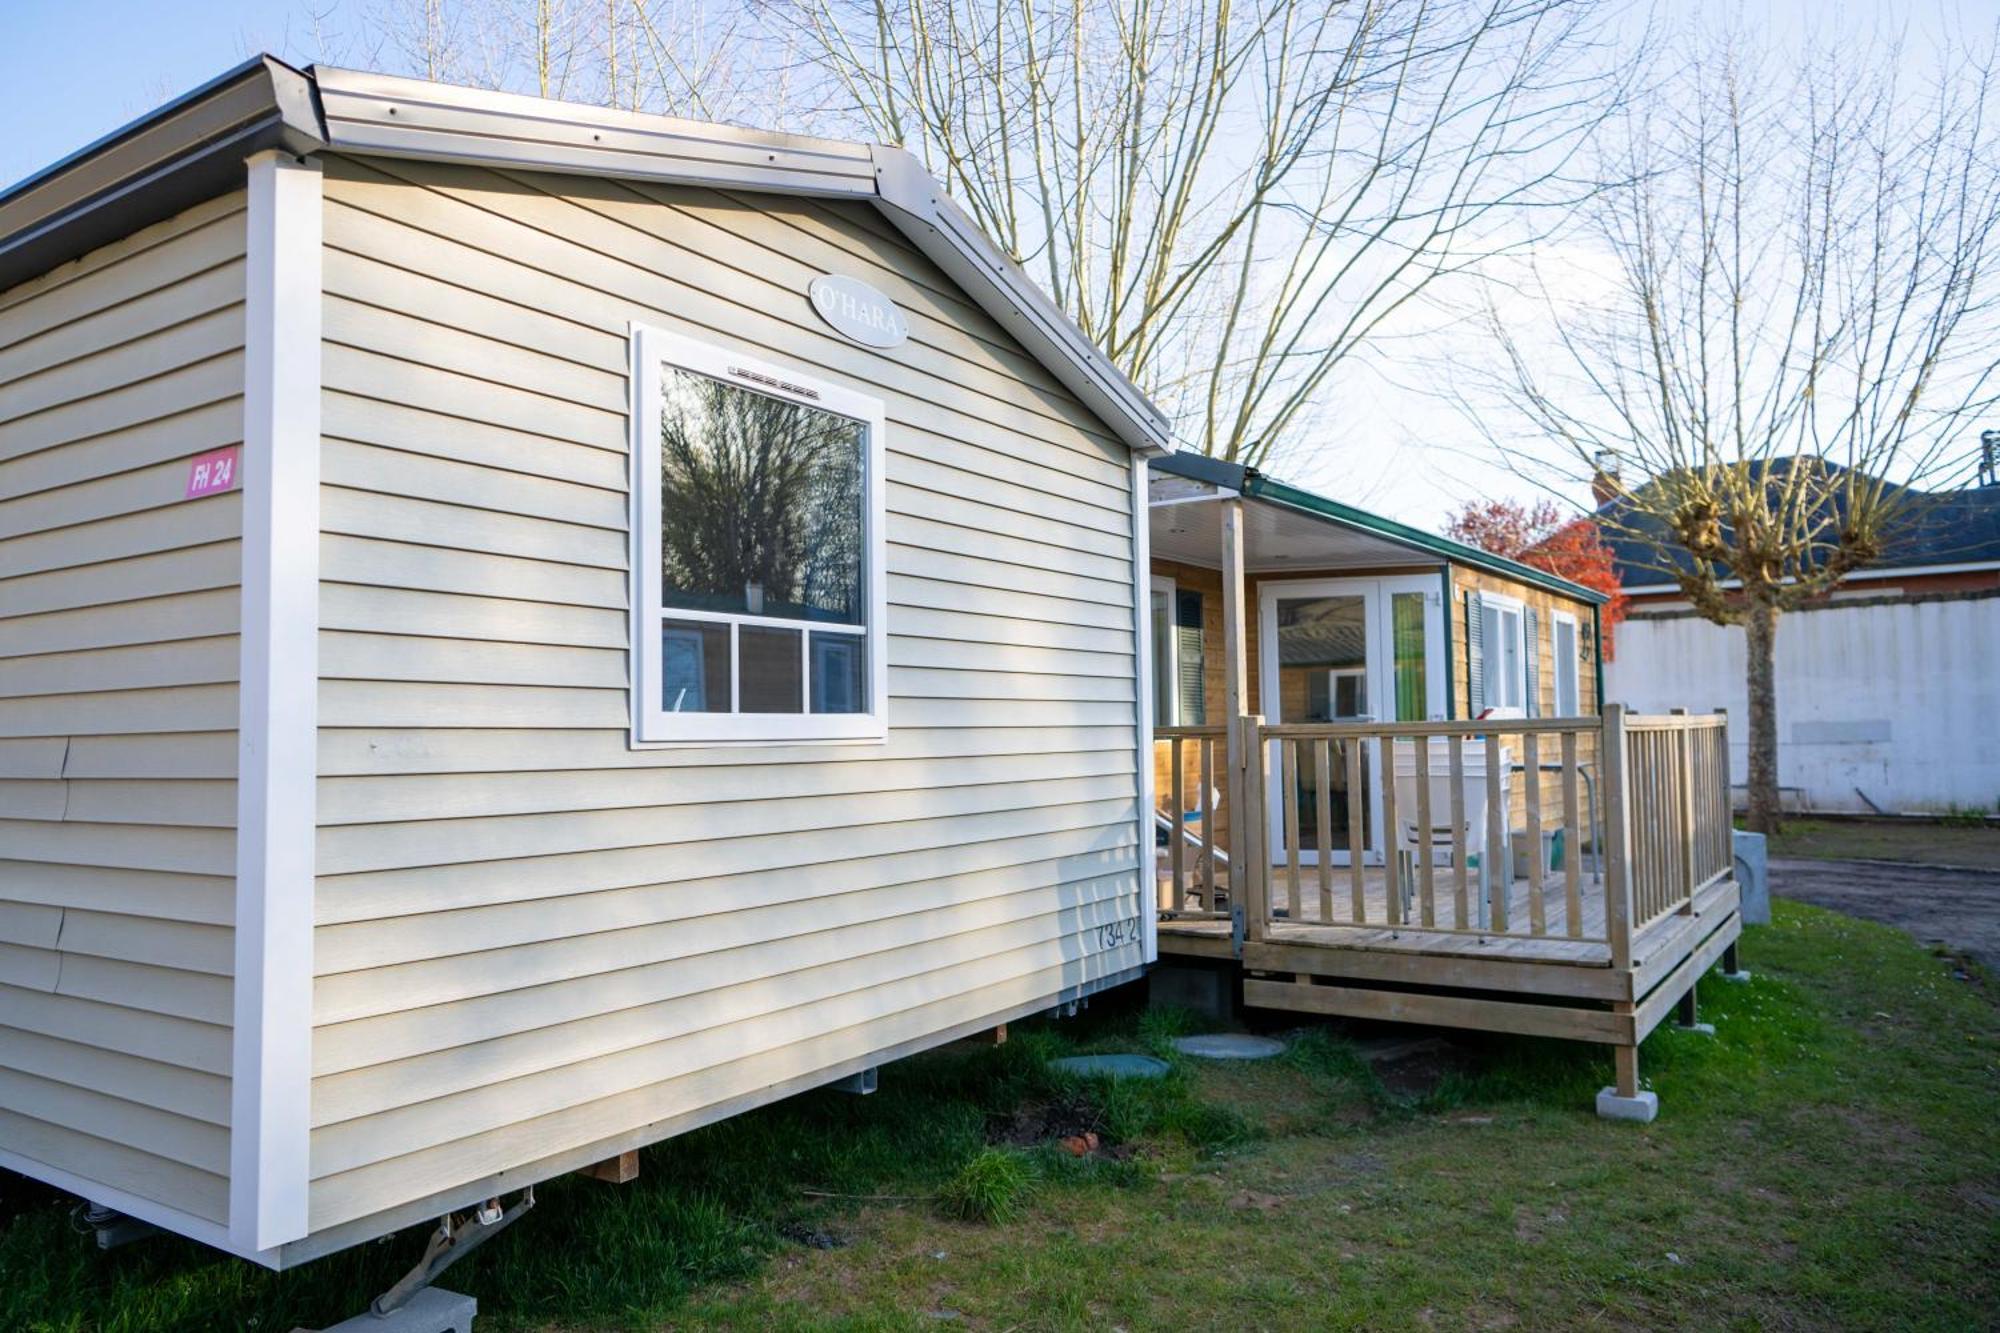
x=1435 y=839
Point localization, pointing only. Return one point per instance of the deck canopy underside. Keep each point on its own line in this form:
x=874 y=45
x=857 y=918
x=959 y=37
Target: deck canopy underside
x=1187 y=528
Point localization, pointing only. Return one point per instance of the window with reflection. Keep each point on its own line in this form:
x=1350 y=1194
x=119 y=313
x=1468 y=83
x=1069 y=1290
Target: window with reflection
x=759 y=523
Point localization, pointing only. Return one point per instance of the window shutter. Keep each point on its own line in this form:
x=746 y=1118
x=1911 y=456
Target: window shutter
x=1188 y=658
x=1475 y=657
x=1531 y=627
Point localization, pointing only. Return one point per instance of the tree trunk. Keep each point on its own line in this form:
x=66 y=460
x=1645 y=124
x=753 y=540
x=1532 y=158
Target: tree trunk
x=1761 y=631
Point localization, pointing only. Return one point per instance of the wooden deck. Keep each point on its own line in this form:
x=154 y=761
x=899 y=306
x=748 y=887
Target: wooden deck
x=1310 y=922
x=1544 y=965
x=1592 y=952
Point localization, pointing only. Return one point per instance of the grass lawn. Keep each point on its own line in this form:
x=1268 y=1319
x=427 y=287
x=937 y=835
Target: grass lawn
x=1830 y=1159
x=1976 y=846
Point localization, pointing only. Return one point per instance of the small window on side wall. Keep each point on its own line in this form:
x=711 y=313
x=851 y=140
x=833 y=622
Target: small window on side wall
x=757 y=550
x=1567 y=656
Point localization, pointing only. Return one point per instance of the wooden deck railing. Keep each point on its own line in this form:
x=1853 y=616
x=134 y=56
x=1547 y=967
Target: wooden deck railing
x=1191 y=820
x=1613 y=821
x=1677 y=771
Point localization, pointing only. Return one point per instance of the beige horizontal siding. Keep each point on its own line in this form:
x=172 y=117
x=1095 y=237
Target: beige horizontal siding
x=456 y=750
x=984 y=869
x=698 y=992
x=815 y=1043
x=472 y=1086
x=150 y=620
x=833 y=856
x=531 y=936
x=119 y=611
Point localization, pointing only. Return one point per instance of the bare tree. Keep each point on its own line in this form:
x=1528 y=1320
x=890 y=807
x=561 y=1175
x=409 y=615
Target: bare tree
x=1231 y=198
x=673 y=57
x=1796 y=332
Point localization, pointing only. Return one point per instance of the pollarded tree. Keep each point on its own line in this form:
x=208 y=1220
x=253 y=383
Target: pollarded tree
x=1796 y=333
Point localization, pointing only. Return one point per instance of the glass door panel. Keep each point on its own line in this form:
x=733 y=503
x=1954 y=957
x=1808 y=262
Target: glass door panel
x=1347 y=650
x=1409 y=630
x=1322 y=668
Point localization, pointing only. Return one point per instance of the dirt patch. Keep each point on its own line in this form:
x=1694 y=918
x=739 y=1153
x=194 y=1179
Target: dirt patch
x=1073 y=1124
x=1533 y=1226
x=1412 y=1071
x=812 y=1237
x=1045 y=1122
x=1360 y=1164
x=1957 y=909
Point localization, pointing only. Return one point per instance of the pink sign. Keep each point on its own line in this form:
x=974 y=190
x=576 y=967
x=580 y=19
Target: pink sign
x=213 y=473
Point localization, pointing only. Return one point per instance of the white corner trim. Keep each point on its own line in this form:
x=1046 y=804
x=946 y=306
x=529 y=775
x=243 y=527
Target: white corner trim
x=1143 y=648
x=277 y=734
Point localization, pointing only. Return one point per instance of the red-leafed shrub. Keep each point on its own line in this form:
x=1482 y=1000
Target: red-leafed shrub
x=1547 y=538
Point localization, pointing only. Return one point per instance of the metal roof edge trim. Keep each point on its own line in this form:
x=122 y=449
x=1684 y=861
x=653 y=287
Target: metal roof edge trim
x=917 y=205
x=154 y=166
x=327 y=108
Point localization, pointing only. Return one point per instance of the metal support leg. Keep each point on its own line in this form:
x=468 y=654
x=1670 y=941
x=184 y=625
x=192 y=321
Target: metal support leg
x=114 y=1228
x=452 y=1241
x=861 y=1084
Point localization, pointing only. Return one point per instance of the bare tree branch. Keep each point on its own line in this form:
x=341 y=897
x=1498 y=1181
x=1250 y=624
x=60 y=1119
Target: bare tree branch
x=1232 y=198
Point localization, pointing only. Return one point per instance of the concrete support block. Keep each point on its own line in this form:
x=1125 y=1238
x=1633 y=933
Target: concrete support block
x=1643 y=1107
x=1699 y=1029
x=1753 y=876
x=1739 y=977
x=1209 y=991
x=432 y=1310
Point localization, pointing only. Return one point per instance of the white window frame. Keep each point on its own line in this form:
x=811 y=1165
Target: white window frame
x=1566 y=663
x=1495 y=656
x=1167 y=708
x=652 y=725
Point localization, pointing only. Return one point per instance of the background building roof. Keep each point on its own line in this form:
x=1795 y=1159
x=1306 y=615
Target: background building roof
x=1939 y=529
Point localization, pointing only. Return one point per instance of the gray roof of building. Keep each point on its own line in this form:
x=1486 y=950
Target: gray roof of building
x=1938 y=529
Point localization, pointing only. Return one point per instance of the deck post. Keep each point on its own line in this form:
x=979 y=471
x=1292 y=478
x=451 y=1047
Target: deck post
x=1255 y=842
x=1625 y=1063
x=1233 y=704
x=1618 y=839
x=1624 y=1099
x=1687 y=1018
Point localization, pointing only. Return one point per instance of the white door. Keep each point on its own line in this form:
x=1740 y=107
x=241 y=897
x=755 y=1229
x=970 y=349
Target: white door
x=1347 y=650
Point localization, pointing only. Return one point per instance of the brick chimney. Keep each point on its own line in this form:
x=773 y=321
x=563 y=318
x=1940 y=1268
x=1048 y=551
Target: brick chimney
x=1604 y=483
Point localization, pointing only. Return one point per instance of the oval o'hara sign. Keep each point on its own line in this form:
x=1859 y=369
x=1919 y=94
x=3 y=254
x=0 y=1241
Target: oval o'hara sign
x=858 y=311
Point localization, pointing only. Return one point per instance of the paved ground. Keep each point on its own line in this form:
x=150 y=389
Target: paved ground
x=1957 y=908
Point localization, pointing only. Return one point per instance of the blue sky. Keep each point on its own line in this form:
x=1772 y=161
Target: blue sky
x=73 y=70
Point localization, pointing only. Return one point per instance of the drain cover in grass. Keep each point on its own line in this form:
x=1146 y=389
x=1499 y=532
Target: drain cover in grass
x=1111 y=1066
x=1229 y=1046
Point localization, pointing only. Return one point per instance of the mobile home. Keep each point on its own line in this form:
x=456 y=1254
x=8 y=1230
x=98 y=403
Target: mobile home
x=525 y=629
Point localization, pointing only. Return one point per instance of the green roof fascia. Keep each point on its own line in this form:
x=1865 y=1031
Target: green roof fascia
x=1264 y=488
